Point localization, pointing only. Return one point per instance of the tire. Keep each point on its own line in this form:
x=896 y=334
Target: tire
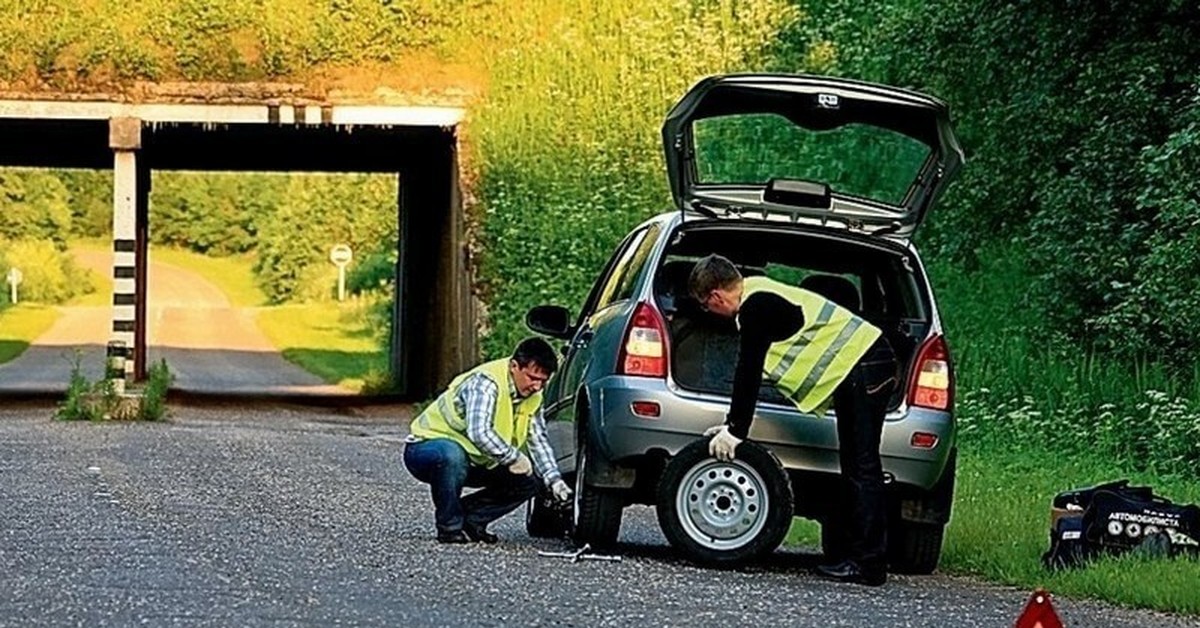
x=914 y=548
x=597 y=512
x=915 y=544
x=724 y=513
x=543 y=520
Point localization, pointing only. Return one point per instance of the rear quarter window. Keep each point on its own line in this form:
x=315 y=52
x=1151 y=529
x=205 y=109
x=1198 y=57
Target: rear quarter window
x=629 y=268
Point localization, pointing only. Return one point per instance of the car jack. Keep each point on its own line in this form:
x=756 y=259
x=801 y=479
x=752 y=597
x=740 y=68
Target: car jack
x=580 y=554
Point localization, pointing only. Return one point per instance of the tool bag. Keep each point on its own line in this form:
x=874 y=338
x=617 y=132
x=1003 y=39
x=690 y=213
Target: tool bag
x=1115 y=518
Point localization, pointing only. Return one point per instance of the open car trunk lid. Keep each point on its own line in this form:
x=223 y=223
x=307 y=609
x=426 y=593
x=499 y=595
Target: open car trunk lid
x=813 y=149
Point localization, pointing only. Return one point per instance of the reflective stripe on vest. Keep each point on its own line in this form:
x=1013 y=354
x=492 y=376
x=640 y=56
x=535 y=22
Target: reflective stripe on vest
x=443 y=418
x=809 y=365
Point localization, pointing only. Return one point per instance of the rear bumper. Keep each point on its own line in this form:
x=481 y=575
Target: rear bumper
x=801 y=442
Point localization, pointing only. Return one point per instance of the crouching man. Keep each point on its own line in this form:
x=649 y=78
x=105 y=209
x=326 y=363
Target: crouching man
x=486 y=431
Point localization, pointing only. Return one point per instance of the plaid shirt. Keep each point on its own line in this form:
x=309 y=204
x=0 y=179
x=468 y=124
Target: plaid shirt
x=476 y=402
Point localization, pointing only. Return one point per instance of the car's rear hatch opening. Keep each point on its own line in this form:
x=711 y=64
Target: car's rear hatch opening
x=874 y=279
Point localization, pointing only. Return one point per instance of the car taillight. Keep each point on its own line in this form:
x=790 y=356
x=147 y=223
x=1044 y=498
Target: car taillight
x=932 y=383
x=644 y=351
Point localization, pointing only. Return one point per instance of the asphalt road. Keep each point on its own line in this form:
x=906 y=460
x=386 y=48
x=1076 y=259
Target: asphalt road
x=285 y=516
x=209 y=345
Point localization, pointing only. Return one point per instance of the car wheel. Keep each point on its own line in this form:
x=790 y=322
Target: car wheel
x=544 y=519
x=724 y=513
x=915 y=544
x=914 y=548
x=597 y=512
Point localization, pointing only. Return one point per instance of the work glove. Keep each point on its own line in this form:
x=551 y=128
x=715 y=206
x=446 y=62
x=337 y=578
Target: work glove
x=521 y=466
x=561 y=491
x=723 y=443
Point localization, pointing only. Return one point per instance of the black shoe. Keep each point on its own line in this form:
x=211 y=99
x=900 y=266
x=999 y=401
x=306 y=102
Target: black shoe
x=453 y=538
x=850 y=571
x=480 y=534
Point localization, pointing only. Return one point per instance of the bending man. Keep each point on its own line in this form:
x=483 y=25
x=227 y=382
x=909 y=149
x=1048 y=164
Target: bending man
x=814 y=351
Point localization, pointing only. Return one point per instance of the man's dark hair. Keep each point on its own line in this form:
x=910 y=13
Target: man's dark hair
x=711 y=273
x=536 y=351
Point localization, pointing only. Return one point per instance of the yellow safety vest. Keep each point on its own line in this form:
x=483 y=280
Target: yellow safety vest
x=809 y=365
x=443 y=420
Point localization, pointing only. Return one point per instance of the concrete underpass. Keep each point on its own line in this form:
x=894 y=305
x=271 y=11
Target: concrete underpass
x=433 y=334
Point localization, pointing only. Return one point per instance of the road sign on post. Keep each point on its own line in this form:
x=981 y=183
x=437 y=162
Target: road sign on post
x=14 y=278
x=341 y=255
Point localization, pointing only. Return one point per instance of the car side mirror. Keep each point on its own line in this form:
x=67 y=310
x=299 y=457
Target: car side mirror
x=551 y=320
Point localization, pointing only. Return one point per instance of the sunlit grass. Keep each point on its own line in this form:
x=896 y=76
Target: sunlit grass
x=20 y=324
x=329 y=341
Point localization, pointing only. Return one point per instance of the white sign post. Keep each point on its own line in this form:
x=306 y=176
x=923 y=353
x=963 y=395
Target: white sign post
x=341 y=255
x=14 y=278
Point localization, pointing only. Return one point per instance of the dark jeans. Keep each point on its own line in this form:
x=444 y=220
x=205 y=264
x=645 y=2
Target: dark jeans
x=859 y=522
x=443 y=465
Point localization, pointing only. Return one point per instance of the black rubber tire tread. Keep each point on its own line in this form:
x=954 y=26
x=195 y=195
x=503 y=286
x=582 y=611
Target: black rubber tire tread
x=914 y=548
x=599 y=517
x=779 y=512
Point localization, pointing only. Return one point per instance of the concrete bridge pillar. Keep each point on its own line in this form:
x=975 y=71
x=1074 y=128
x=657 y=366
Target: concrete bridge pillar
x=131 y=186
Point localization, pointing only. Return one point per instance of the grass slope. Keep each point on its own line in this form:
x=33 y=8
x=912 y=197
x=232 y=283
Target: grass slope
x=1000 y=528
x=20 y=324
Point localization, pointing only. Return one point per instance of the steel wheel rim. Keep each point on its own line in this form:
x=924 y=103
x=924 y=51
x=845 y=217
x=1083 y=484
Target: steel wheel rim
x=722 y=505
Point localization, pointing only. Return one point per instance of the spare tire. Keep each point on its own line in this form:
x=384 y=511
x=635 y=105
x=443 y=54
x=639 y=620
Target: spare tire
x=724 y=513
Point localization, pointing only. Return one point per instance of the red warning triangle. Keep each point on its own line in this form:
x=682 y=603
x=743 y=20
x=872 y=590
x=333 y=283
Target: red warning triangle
x=1039 y=613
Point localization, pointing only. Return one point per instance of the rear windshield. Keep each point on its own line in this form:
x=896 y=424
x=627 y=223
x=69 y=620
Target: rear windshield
x=854 y=159
x=878 y=284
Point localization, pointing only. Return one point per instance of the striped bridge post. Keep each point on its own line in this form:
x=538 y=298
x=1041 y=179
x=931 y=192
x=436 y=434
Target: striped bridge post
x=125 y=138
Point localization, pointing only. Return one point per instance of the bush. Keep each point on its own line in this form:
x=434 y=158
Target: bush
x=50 y=276
x=315 y=213
x=34 y=205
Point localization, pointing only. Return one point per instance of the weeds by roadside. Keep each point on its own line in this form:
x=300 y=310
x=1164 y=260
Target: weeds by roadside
x=95 y=401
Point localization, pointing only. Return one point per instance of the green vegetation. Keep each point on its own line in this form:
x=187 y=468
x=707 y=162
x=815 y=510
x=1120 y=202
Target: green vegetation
x=337 y=343
x=571 y=151
x=154 y=399
x=1065 y=259
x=100 y=400
x=64 y=43
x=49 y=275
x=1001 y=526
x=20 y=324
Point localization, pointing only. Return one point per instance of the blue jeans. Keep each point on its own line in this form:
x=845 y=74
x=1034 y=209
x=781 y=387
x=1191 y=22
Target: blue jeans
x=443 y=465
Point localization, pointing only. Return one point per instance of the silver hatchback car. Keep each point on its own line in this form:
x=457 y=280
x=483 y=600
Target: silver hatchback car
x=815 y=181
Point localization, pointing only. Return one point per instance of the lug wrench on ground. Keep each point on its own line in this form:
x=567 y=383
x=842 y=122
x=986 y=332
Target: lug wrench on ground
x=580 y=554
